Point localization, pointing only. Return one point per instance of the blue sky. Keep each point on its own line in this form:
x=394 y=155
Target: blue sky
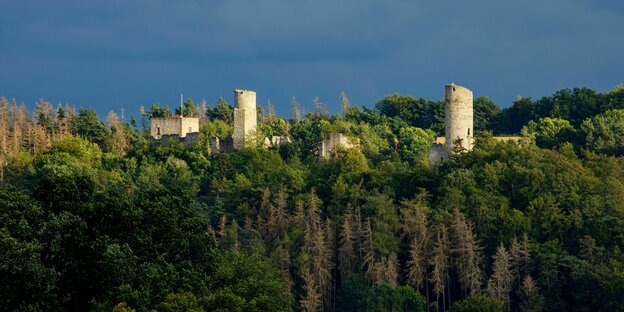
x=109 y=54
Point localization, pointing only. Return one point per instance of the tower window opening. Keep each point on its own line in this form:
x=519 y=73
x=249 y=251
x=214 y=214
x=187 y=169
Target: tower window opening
x=453 y=88
x=158 y=130
x=468 y=131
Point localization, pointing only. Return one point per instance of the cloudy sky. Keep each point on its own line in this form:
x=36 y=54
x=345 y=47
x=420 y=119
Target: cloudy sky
x=109 y=54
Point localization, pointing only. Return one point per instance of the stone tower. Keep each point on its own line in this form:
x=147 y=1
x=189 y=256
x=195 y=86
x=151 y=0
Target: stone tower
x=245 y=117
x=458 y=117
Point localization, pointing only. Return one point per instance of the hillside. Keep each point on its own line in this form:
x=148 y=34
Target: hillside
x=95 y=215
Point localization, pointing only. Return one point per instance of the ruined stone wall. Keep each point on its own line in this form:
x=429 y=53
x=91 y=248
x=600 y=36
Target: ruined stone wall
x=458 y=116
x=334 y=141
x=173 y=126
x=189 y=125
x=245 y=117
x=437 y=154
x=164 y=126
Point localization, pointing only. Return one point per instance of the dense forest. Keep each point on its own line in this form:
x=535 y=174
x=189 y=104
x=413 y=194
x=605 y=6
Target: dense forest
x=94 y=215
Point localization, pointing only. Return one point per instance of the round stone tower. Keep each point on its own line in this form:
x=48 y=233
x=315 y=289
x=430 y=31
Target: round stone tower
x=458 y=117
x=245 y=117
x=245 y=99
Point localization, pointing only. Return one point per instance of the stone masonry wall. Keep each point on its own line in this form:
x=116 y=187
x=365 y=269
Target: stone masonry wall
x=335 y=139
x=245 y=117
x=458 y=116
x=189 y=125
x=164 y=126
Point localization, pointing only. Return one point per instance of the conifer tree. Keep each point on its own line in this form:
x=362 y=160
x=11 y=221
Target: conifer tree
x=119 y=138
x=221 y=229
x=499 y=285
x=467 y=254
x=358 y=227
x=270 y=113
x=19 y=123
x=368 y=253
x=281 y=216
x=415 y=227
x=346 y=244
x=530 y=298
x=391 y=275
x=344 y=103
x=329 y=262
x=299 y=217
x=230 y=240
x=440 y=263
x=296 y=109
x=311 y=298
x=519 y=257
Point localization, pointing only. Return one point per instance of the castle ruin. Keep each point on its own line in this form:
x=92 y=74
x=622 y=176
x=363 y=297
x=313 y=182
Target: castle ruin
x=184 y=129
x=458 y=118
x=245 y=117
x=459 y=130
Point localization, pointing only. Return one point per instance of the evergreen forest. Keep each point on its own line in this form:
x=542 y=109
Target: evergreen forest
x=96 y=216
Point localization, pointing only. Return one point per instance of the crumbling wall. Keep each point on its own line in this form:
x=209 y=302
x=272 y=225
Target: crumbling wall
x=328 y=147
x=245 y=117
x=458 y=117
x=189 y=125
x=437 y=154
x=173 y=126
x=164 y=126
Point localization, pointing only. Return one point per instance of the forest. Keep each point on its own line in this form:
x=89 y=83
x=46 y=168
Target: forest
x=96 y=216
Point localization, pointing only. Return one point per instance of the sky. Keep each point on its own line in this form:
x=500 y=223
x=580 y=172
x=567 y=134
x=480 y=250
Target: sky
x=112 y=54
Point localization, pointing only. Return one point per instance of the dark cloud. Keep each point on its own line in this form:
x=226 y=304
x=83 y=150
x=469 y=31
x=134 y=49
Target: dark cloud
x=115 y=53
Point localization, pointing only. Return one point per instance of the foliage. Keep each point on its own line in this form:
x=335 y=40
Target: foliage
x=548 y=132
x=477 y=303
x=89 y=224
x=605 y=132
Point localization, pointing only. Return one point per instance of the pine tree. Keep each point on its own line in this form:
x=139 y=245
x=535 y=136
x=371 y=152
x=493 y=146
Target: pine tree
x=499 y=285
x=344 y=103
x=311 y=299
x=230 y=239
x=281 y=216
x=270 y=113
x=299 y=217
x=41 y=139
x=317 y=247
x=142 y=113
x=358 y=226
x=414 y=226
x=202 y=110
x=467 y=251
x=221 y=229
x=268 y=209
x=346 y=244
x=368 y=255
x=19 y=124
x=416 y=264
x=391 y=275
x=120 y=142
x=296 y=109
x=44 y=116
x=530 y=298
x=262 y=216
x=519 y=253
x=439 y=263
x=329 y=262
x=317 y=106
